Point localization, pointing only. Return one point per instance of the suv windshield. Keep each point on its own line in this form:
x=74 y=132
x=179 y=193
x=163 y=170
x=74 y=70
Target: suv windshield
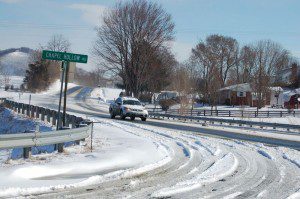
x=131 y=102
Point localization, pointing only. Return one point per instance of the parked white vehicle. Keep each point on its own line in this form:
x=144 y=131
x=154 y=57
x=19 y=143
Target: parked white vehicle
x=128 y=107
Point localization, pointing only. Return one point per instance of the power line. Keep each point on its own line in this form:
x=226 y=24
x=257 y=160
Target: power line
x=7 y=24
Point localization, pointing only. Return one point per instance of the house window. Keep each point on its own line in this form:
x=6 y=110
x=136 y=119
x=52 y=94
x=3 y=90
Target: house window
x=241 y=94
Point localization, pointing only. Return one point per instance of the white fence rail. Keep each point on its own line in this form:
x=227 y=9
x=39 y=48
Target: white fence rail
x=228 y=113
x=273 y=125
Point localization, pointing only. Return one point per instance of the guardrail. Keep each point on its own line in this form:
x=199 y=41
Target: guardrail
x=44 y=114
x=76 y=129
x=229 y=121
x=227 y=113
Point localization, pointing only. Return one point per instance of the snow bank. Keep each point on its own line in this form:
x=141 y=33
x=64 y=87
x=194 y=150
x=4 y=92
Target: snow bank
x=295 y=195
x=54 y=88
x=106 y=94
x=11 y=122
x=117 y=154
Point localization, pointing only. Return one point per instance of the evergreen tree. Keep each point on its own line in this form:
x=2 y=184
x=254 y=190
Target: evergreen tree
x=37 y=76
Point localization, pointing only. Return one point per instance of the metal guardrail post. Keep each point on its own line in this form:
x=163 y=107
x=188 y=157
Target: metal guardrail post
x=60 y=147
x=92 y=131
x=23 y=110
x=7 y=104
x=59 y=119
x=26 y=152
x=28 y=110
x=54 y=115
x=80 y=125
x=37 y=112
x=66 y=120
x=19 y=107
x=48 y=114
x=73 y=121
x=31 y=111
x=42 y=114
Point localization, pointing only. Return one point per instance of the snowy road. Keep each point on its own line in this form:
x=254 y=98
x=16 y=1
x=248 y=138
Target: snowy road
x=154 y=159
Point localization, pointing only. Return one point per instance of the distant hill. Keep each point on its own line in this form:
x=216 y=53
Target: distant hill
x=15 y=60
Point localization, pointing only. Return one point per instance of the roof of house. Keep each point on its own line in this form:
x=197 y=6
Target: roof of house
x=245 y=87
x=129 y=98
x=279 y=89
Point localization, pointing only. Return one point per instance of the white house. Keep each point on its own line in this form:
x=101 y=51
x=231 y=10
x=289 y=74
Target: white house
x=276 y=97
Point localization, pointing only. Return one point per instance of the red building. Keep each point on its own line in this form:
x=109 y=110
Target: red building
x=237 y=95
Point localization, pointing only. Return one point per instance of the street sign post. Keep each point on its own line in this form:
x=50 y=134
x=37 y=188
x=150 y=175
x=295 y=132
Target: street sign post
x=66 y=58
x=63 y=56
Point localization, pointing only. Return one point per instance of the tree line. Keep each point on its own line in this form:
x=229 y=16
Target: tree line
x=132 y=43
x=220 y=61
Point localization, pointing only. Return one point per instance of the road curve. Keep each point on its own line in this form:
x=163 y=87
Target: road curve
x=198 y=166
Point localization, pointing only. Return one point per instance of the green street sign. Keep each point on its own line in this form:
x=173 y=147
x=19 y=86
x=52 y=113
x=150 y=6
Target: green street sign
x=62 y=56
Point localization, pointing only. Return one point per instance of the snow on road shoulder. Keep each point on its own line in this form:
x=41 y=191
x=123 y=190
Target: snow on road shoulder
x=116 y=154
x=11 y=123
x=292 y=156
x=295 y=195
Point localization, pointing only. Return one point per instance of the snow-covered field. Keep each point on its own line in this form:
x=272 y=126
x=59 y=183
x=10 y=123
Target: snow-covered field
x=16 y=81
x=153 y=159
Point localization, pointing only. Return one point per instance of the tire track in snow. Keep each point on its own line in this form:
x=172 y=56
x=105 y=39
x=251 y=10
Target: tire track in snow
x=261 y=171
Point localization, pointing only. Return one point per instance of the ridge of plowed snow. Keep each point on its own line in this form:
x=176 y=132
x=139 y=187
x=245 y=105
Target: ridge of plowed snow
x=220 y=169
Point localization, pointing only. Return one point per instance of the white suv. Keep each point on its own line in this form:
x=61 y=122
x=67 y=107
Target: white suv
x=128 y=107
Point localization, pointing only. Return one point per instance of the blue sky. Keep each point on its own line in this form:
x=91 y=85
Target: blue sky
x=32 y=22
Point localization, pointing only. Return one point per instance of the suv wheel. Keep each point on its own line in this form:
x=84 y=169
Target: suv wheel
x=112 y=115
x=132 y=118
x=122 y=115
x=143 y=119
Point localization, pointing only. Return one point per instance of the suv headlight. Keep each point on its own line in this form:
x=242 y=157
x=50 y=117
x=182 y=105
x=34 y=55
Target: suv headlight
x=127 y=109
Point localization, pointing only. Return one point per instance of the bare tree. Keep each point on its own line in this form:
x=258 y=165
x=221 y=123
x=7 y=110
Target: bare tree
x=213 y=60
x=61 y=44
x=270 y=59
x=247 y=61
x=224 y=50
x=130 y=35
x=58 y=43
x=158 y=73
x=42 y=73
